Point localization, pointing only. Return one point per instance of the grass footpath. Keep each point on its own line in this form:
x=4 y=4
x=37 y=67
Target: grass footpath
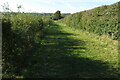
x=97 y=48
x=68 y=53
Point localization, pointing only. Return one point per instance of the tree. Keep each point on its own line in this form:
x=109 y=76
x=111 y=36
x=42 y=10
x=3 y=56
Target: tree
x=19 y=7
x=57 y=15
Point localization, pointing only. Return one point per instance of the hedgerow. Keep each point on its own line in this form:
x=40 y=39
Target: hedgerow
x=21 y=32
x=101 y=20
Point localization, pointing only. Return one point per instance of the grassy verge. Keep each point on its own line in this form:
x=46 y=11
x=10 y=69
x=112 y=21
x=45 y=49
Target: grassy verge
x=97 y=47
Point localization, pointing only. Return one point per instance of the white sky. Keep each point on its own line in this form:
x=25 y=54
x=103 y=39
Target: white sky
x=50 y=6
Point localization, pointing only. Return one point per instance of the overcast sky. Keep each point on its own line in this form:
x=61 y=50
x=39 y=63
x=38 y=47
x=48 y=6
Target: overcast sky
x=51 y=6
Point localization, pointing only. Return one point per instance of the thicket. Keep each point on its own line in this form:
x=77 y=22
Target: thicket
x=100 y=20
x=21 y=32
x=57 y=15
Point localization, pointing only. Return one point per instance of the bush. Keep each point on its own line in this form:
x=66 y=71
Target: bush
x=20 y=34
x=101 y=20
x=57 y=15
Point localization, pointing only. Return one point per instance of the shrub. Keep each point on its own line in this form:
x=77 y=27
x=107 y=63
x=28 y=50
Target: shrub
x=101 y=20
x=20 y=34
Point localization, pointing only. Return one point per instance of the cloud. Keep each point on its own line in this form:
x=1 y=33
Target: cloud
x=68 y=5
x=91 y=0
x=53 y=5
x=27 y=6
x=39 y=9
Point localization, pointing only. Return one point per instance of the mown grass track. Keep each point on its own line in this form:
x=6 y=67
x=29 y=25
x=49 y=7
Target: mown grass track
x=68 y=53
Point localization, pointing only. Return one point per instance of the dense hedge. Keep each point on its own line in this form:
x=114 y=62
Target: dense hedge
x=100 y=20
x=20 y=34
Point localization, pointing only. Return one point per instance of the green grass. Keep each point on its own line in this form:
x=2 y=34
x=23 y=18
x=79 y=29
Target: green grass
x=68 y=53
x=98 y=47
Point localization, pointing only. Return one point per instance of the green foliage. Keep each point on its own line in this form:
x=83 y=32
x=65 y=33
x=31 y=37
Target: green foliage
x=57 y=15
x=20 y=35
x=101 y=20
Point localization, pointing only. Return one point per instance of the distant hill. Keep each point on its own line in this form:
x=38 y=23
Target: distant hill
x=100 y=20
x=43 y=14
x=50 y=14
